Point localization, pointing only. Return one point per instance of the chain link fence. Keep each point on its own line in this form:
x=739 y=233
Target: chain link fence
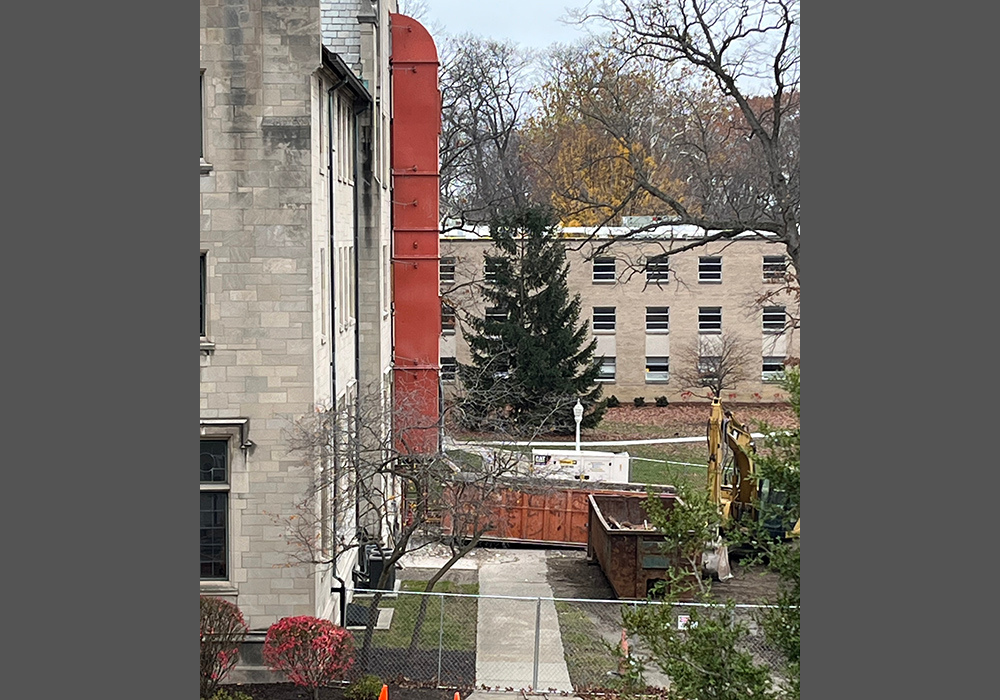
x=514 y=643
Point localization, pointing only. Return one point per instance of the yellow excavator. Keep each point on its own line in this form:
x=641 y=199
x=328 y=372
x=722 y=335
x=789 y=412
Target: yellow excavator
x=732 y=484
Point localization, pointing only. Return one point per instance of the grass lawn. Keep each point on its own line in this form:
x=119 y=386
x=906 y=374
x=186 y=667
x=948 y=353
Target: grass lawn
x=588 y=660
x=459 y=617
x=651 y=464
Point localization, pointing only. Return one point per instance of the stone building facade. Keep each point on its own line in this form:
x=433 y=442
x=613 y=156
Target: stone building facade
x=295 y=254
x=653 y=321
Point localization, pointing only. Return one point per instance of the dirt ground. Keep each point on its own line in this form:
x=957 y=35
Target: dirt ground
x=570 y=576
x=682 y=419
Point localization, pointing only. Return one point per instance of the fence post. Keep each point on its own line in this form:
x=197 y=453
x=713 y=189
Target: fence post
x=538 y=640
x=440 y=638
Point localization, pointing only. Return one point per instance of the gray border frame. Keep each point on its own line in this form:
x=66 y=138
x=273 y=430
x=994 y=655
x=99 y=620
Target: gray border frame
x=101 y=385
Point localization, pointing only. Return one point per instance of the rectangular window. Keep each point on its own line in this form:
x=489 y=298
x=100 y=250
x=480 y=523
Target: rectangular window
x=604 y=270
x=657 y=369
x=710 y=319
x=657 y=270
x=449 y=369
x=201 y=107
x=490 y=270
x=657 y=318
x=447 y=319
x=386 y=279
x=496 y=314
x=607 y=372
x=772 y=369
x=604 y=318
x=214 y=516
x=323 y=293
x=447 y=270
x=345 y=141
x=204 y=294
x=710 y=269
x=774 y=319
x=775 y=268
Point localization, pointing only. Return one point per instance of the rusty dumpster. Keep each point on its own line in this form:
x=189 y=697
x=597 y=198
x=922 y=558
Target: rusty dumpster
x=627 y=548
x=530 y=512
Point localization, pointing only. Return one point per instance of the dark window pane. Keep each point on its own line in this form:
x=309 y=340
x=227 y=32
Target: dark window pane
x=657 y=270
x=449 y=368
x=657 y=318
x=214 y=454
x=447 y=270
x=213 y=535
x=604 y=269
x=204 y=273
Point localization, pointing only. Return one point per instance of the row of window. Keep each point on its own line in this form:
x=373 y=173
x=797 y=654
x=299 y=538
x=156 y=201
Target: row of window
x=657 y=318
x=657 y=368
x=605 y=270
x=775 y=269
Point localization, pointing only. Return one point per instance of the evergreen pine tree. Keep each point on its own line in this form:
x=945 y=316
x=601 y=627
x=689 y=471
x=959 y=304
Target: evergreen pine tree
x=530 y=358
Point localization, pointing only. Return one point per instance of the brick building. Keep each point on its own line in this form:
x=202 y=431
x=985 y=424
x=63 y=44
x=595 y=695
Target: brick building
x=653 y=317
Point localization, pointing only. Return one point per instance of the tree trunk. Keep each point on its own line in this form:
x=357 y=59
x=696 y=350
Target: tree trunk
x=422 y=613
x=364 y=656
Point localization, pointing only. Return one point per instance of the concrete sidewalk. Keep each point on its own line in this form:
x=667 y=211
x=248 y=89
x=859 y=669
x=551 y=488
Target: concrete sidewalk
x=505 y=645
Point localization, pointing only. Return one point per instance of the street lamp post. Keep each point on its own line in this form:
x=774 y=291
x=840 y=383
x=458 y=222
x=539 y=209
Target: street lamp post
x=578 y=416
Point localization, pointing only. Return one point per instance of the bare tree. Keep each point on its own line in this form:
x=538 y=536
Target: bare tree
x=731 y=79
x=484 y=93
x=368 y=491
x=716 y=363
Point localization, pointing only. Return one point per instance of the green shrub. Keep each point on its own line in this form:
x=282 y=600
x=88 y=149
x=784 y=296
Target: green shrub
x=639 y=401
x=661 y=401
x=613 y=401
x=367 y=687
x=224 y=694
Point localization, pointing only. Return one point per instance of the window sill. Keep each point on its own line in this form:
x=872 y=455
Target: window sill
x=772 y=331
x=218 y=587
x=709 y=281
x=605 y=381
x=657 y=331
x=604 y=281
x=712 y=332
x=658 y=381
x=206 y=167
x=603 y=331
x=207 y=346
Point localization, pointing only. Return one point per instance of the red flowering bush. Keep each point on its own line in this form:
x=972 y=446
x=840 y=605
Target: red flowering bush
x=222 y=631
x=310 y=651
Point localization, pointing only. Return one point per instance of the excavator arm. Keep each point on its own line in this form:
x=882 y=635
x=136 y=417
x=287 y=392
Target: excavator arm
x=737 y=494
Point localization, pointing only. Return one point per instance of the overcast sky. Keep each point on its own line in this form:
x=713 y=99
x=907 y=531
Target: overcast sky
x=530 y=23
